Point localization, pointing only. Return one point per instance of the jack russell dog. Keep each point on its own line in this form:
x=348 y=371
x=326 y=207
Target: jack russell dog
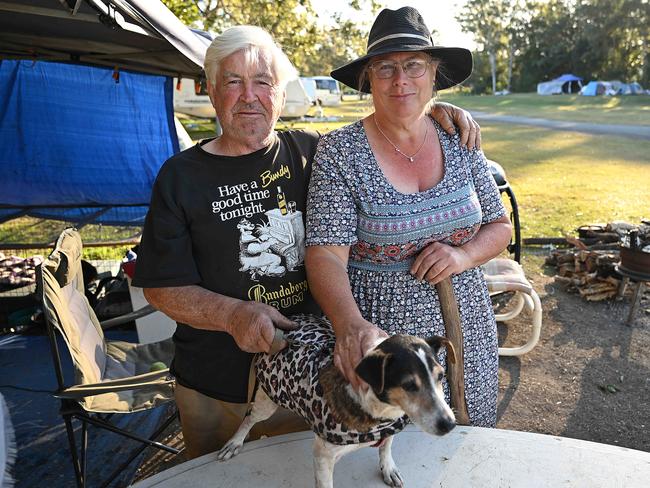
x=405 y=380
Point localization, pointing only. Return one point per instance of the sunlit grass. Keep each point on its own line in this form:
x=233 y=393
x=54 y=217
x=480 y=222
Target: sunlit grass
x=631 y=109
x=566 y=179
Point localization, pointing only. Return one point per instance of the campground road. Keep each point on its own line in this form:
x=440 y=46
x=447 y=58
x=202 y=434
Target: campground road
x=626 y=130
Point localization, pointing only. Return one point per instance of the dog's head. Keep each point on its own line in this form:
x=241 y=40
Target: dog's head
x=403 y=371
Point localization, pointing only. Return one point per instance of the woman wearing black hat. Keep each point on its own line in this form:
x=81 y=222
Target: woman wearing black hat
x=396 y=205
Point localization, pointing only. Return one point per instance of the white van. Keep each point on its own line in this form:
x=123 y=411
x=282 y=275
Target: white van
x=328 y=91
x=188 y=101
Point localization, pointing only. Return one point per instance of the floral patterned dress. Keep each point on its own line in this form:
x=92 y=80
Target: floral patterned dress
x=351 y=203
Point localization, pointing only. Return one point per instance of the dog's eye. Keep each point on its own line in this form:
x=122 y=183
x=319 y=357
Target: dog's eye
x=410 y=386
x=440 y=376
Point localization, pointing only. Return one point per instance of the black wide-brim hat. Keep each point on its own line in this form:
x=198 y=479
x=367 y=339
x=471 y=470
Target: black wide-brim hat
x=400 y=31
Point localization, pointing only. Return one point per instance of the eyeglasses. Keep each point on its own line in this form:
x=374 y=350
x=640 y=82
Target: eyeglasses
x=413 y=68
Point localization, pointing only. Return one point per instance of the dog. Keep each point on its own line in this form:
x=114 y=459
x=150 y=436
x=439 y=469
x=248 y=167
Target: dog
x=405 y=382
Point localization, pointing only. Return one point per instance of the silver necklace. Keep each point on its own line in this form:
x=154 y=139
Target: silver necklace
x=397 y=149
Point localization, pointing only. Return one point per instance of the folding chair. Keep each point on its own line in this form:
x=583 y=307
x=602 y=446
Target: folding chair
x=506 y=275
x=110 y=377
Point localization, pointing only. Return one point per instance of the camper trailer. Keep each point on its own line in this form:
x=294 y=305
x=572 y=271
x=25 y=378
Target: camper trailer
x=328 y=91
x=195 y=102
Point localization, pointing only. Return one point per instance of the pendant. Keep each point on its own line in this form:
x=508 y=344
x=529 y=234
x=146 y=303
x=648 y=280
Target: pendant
x=411 y=159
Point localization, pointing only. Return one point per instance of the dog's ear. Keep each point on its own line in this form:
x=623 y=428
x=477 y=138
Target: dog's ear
x=436 y=343
x=372 y=370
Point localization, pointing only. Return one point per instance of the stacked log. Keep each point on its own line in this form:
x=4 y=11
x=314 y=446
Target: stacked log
x=590 y=273
x=589 y=268
x=16 y=271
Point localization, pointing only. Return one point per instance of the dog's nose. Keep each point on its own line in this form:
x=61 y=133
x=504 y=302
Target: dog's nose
x=444 y=425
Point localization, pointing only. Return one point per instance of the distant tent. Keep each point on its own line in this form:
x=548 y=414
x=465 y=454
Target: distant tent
x=566 y=83
x=627 y=88
x=594 y=88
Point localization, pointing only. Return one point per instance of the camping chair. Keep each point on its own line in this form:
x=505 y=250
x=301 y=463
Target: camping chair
x=504 y=275
x=110 y=377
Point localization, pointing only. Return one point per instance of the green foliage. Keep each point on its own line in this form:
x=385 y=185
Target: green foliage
x=594 y=39
x=313 y=48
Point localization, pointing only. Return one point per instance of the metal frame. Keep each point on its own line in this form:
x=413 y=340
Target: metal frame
x=499 y=176
x=71 y=409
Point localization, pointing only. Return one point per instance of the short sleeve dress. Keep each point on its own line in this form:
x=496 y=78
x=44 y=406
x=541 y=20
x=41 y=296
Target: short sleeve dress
x=351 y=203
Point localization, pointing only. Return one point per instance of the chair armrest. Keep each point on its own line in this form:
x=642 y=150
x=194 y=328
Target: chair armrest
x=155 y=378
x=123 y=319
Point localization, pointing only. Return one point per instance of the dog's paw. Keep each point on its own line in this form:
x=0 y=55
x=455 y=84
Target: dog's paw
x=231 y=449
x=392 y=477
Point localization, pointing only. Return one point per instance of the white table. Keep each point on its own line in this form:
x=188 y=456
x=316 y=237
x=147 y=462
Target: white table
x=468 y=457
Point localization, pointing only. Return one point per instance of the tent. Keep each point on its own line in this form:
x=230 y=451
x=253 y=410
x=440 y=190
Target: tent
x=566 y=83
x=86 y=113
x=594 y=88
x=621 y=88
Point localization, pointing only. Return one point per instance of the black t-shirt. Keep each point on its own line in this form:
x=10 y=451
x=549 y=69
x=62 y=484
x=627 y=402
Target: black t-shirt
x=233 y=225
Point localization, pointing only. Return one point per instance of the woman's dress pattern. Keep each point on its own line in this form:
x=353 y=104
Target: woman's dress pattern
x=352 y=203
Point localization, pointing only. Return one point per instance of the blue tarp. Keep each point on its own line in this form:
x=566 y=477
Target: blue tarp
x=70 y=135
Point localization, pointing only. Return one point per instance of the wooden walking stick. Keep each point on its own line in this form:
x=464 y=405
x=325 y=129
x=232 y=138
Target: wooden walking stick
x=455 y=369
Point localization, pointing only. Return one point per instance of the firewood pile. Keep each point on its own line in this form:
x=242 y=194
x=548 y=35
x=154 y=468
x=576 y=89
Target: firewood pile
x=589 y=268
x=16 y=271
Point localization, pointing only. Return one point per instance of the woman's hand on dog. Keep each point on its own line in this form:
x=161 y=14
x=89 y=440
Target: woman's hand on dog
x=438 y=261
x=253 y=325
x=352 y=343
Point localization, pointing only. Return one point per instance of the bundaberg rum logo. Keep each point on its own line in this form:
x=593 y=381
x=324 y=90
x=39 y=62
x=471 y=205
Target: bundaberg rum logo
x=286 y=296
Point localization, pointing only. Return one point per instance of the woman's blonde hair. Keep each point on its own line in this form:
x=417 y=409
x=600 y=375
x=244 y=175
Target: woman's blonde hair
x=255 y=42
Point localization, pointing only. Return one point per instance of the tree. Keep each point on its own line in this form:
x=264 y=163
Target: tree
x=485 y=19
x=314 y=47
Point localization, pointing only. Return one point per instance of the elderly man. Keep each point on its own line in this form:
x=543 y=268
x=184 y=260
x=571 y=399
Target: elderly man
x=223 y=244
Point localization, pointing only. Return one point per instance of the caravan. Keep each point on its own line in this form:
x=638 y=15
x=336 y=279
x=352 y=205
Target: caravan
x=328 y=92
x=192 y=99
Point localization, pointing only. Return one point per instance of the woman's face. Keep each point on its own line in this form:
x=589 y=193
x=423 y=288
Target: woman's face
x=394 y=92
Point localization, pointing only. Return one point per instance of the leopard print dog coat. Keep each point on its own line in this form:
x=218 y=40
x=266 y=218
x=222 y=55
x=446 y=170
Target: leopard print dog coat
x=291 y=379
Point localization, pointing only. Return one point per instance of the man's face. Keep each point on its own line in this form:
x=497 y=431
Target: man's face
x=246 y=97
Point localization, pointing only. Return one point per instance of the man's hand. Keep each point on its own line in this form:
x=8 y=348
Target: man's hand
x=448 y=115
x=437 y=261
x=253 y=324
x=352 y=344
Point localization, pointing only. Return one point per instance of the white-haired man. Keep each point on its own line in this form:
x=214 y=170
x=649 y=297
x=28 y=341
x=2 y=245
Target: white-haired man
x=223 y=244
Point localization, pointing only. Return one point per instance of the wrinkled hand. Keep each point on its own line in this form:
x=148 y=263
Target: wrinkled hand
x=447 y=115
x=253 y=324
x=438 y=261
x=351 y=345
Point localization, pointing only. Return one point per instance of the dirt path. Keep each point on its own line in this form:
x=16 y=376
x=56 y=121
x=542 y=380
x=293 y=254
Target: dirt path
x=633 y=131
x=589 y=376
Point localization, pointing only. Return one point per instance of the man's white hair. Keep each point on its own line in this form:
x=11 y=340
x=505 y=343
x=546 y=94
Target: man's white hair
x=255 y=42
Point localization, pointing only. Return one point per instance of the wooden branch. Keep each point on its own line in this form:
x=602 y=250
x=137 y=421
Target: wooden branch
x=456 y=371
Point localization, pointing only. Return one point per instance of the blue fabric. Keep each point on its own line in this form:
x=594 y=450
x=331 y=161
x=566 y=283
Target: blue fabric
x=568 y=77
x=70 y=135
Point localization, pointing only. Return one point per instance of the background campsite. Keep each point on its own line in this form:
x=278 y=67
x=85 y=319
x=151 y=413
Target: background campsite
x=576 y=156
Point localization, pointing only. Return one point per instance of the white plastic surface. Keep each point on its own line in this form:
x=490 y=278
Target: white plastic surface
x=468 y=457
x=153 y=327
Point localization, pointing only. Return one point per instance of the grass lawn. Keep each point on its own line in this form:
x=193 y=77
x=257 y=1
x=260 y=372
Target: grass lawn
x=600 y=110
x=566 y=179
x=561 y=179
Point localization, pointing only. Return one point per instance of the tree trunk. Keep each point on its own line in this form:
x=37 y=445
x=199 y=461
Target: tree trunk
x=511 y=56
x=493 y=69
